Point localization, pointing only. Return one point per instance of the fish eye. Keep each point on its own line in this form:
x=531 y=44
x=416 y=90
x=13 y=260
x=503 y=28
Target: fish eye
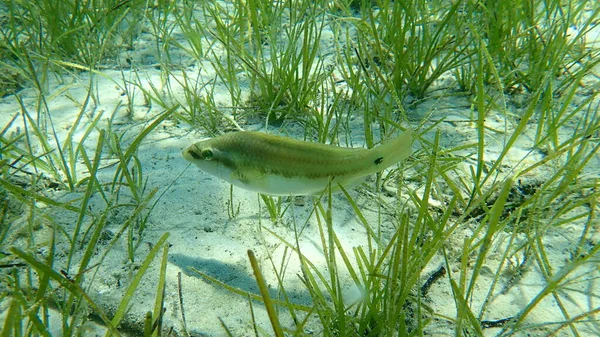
x=206 y=154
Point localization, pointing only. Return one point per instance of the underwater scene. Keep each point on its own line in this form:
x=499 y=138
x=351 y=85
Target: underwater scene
x=299 y=168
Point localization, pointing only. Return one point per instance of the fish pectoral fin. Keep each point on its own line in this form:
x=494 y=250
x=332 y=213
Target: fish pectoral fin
x=247 y=176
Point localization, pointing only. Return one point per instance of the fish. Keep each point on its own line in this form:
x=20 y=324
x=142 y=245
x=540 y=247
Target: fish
x=282 y=166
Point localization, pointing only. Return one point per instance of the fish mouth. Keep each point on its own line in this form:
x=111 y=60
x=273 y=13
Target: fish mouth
x=187 y=154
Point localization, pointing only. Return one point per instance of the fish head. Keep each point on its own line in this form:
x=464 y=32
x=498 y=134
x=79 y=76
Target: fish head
x=209 y=158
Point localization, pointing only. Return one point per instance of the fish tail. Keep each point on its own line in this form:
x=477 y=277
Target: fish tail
x=391 y=152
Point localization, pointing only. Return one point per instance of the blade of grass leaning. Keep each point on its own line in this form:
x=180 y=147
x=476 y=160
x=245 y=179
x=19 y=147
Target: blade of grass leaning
x=504 y=259
x=91 y=246
x=280 y=274
x=148 y=324
x=253 y=318
x=159 y=303
x=44 y=283
x=337 y=295
x=123 y=168
x=464 y=313
x=89 y=164
x=130 y=291
x=264 y=291
x=492 y=229
x=480 y=95
x=91 y=186
x=330 y=282
x=225 y=327
x=12 y=321
x=70 y=148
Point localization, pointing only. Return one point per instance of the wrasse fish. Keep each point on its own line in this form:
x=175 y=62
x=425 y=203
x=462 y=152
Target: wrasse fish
x=276 y=165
